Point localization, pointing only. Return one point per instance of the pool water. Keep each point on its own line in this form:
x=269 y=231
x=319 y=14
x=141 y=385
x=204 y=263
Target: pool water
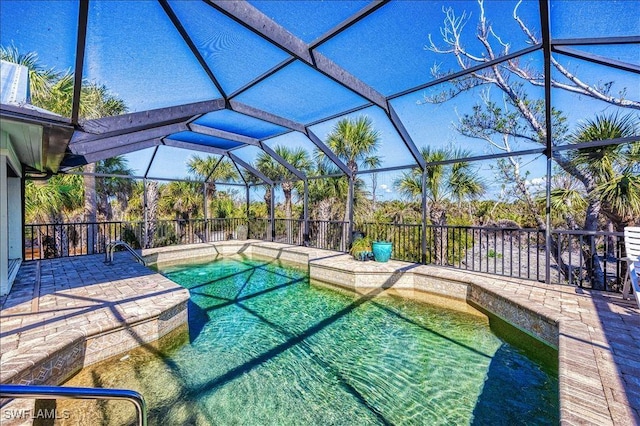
x=266 y=347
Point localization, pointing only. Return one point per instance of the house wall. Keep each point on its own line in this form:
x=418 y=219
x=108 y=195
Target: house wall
x=14 y=217
x=4 y=229
x=10 y=211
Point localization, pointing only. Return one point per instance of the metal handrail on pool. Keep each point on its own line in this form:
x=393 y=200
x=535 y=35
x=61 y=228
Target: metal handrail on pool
x=64 y=392
x=112 y=246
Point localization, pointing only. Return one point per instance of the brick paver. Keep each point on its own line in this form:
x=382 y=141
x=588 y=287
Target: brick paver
x=76 y=298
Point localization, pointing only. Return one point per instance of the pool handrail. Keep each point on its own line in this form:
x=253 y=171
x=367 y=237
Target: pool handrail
x=67 y=392
x=111 y=248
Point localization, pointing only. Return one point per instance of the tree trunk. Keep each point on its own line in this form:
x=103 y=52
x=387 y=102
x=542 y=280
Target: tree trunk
x=324 y=216
x=592 y=261
x=287 y=187
x=267 y=200
x=152 y=211
x=90 y=207
x=438 y=217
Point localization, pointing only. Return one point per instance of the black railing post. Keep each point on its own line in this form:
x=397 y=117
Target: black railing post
x=305 y=234
x=423 y=243
x=248 y=211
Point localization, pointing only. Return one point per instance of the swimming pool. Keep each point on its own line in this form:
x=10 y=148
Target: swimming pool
x=267 y=347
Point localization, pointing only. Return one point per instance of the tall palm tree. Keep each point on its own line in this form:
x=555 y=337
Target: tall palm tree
x=444 y=183
x=297 y=157
x=48 y=202
x=614 y=171
x=325 y=195
x=181 y=199
x=211 y=169
x=355 y=142
x=53 y=91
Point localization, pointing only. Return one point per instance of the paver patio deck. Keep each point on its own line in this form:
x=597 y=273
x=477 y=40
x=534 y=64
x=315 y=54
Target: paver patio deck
x=598 y=333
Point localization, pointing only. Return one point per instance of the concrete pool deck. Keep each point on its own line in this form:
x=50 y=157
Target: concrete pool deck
x=63 y=314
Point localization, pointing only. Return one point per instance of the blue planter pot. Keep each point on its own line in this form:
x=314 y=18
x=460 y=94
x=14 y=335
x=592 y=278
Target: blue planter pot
x=382 y=250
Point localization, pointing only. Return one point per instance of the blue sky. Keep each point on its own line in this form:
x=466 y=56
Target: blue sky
x=135 y=51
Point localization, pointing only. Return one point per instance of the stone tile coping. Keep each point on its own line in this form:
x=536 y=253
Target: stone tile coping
x=596 y=333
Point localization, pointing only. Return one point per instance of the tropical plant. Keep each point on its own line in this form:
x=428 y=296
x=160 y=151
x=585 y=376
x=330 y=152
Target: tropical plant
x=53 y=202
x=53 y=91
x=297 y=157
x=360 y=248
x=444 y=183
x=113 y=188
x=181 y=199
x=615 y=168
x=355 y=142
x=212 y=169
x=153 y=197
x=41 y=79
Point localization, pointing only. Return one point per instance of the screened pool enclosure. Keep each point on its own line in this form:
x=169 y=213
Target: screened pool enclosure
x=495 y=136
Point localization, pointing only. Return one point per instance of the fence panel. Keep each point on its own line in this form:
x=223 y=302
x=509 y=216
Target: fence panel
x=590 y=259
x=581 y=258
x=329 y=235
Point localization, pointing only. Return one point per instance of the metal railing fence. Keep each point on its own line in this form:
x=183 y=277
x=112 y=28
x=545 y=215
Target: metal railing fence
x=587 y=259
x=329 y=235
x=54 y=240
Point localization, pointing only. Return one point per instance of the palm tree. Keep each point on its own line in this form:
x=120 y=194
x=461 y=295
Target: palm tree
x=614 y=171
x=211 y=170
x=108 y=188
x=355 y=142
x=444 y=183
x=53 y=91
x=297 y=157
x=47 y=202
x=615 y=168
x=183 y=200
x=273 y=170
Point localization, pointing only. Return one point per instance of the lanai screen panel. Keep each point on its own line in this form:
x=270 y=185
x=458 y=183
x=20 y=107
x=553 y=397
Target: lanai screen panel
x=47 y=32
x=307 y=20
x=577 y=110
x=451 y=116
x=300 y=93
x=612 y=18
x=154 y=54
x=137 y=53
x=391 y=150
x=173 y=163
x=390 y=49
x=628 y=53
x=234 y=122
x=139 y=161
x=234 y=54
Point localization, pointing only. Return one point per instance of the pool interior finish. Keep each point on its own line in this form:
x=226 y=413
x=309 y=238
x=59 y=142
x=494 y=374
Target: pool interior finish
x=265 y=346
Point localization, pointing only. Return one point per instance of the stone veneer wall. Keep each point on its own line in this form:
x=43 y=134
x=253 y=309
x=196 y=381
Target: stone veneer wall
x=76 y=351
